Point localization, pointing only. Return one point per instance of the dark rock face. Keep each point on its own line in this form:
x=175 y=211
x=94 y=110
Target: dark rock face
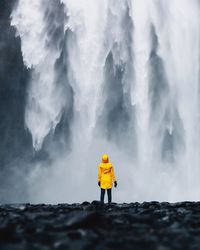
x=15 y=140
x=150 y=225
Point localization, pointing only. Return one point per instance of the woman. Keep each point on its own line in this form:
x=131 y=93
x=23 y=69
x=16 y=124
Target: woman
x=106 y=177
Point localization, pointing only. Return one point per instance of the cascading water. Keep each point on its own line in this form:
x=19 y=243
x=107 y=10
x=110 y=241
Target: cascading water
x=125 y=75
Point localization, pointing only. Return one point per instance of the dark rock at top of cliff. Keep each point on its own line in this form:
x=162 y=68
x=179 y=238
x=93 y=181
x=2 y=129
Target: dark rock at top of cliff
x=5 y=9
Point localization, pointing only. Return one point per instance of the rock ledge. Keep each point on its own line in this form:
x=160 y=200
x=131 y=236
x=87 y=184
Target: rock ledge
x=148 y=225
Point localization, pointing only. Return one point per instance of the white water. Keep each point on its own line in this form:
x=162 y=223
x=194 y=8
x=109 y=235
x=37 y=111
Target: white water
x=147 y=118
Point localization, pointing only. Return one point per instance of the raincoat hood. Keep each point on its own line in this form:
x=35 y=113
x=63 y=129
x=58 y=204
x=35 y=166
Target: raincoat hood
x=105 y=159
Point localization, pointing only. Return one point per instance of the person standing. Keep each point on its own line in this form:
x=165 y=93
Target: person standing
x=106 y=177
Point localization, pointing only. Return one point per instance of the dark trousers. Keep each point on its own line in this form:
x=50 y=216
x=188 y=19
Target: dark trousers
x=108 y=193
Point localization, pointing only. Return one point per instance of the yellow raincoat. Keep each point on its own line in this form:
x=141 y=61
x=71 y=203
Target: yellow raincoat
x=106 y=175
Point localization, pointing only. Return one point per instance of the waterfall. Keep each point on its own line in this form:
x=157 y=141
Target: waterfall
x=124 y=75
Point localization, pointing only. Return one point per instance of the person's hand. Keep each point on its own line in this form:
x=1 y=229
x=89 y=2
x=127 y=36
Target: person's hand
x=99 y=183
x=115 y=184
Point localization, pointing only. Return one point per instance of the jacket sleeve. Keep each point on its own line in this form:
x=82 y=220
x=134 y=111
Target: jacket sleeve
x=99 y=173
x=113 y=174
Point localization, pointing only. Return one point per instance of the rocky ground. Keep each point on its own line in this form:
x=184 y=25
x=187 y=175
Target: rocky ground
x=148 y=225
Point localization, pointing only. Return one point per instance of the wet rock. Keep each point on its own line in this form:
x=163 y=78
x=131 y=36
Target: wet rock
x=148 y=225
x=82 y=219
